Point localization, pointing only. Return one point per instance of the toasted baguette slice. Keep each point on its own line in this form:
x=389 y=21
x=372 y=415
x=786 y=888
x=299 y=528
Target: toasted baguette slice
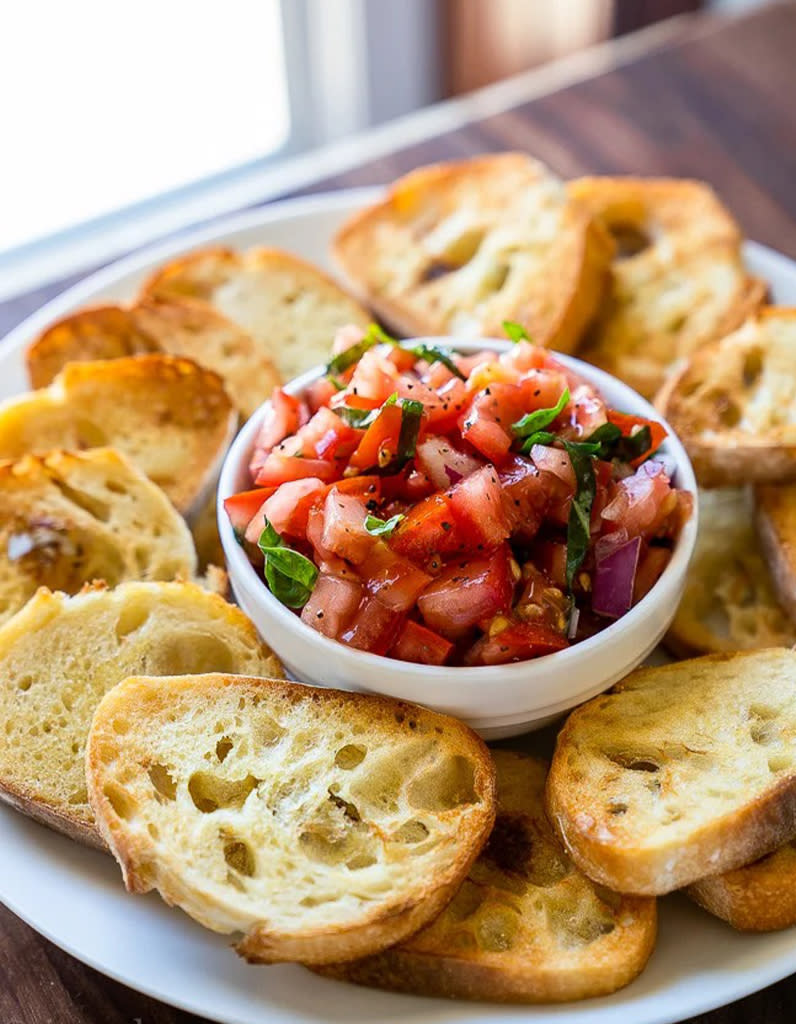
x=177 y=327
x=760 y=897
x=733 y=403
x=729 y=602
x=526 y=926
x=776 y=528
x=289 y=307
x=59 y=655
x=68 y=518
x=171 y=417
x=679 y=772
x=321 y=824
x=458 y=248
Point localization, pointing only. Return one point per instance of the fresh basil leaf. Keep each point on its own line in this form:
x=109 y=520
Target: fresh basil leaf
x=434 y=354
x=613 y=444
x=362 y=418
x=411 y=414
x=380 y=527
x=579 y=525
x=531 y=422
x=289 y=574
x=636 y=445
x=336 y=382
x=515 y=332
x=608 y=433
x=351 y=355
x=539 y=437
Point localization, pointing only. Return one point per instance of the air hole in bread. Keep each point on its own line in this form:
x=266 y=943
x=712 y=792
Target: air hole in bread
x=153 y=831
x=412 y=831
x=240 y=856
x=120 y=800
x=466 y=901
x=764 y=732
x=779 y=763
x=362 y=860
x=24 y=683
x=210 y=793
x=90 y=435
x=763 y=711
x=497 y=928
x=327 y=844
x=131 y=619
x=163 y=783
x=80 y=796
x=630 y=239
x=453 y=242
x=315 y=901
x=448 y=784
x=752 y=367
x=267 y=731
x=434 y=270
x=349 y=756
x=728 y=411
x=114 y=487
x=99 y=510
x=617 y=808
x=634 y=762
x=223 y=748
x=195 y=655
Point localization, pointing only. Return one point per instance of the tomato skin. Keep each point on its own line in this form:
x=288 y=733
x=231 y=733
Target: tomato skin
x=467 y=592
x=626 y=423
x=284 y=414
x=380 y=439
x=555 y=461
x=641 y=504
x=518 y=642
x=332 y=604
x=374 y=628
x=367 y=487
x=421 y=645
x=244 y=506
x=477 y=503
x=278 y=469
x=288 y=508
x=344 y=532
x=429 y=529
x=393 y=579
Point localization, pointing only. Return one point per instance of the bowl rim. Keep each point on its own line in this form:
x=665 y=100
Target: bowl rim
x=237 y=562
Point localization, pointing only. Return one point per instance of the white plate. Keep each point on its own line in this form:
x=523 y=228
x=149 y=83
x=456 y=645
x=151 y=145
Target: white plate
x=75 y=898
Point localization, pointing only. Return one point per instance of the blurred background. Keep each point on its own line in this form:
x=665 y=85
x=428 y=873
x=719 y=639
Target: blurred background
x=111 y=110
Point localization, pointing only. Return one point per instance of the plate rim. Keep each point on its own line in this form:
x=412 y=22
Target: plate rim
x=750 y=981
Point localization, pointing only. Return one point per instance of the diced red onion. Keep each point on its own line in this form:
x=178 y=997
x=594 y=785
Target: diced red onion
x=614 y=578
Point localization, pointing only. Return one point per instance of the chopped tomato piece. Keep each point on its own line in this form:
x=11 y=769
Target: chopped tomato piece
x=278 y=469
x=467 y=592
x=477 y=503
x=283 y=415
x=525 y=497
x=429 y=529
x=393 y=579
x=518 y=642
x=628 y=425
x=368 y=487
x=344 y=532
x=443 y=463
x=650 y=566
x=556 y=462
x=320 y=393
x=375 y=378
x=380 y=442
x=551 y=557
x=586 y=411
x=421 y=645
x=288 y=508
x=326 y=436
x=332 y=604
x=374 y=628
x=242 y=507
x=641 y=504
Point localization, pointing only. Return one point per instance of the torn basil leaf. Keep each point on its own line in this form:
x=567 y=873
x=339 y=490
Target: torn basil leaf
x=613 y=444
x=434 y=354
x=351 y=355
x=362 y=418
x=289 y=574
x=579 y=525
x=537 y=420
x=515 y=332
x=382 y=527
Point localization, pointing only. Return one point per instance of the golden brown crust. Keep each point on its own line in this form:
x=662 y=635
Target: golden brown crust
x=759 y=897
x=466 y=219
x=115 y=776
x=679 y=772
x=31 y=805
x=776 y=528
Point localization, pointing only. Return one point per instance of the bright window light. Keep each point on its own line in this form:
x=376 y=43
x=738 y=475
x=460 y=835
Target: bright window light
x=107 y=103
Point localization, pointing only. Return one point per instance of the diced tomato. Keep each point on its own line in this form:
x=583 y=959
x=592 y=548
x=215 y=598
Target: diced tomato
x=278 y=469
x=332 y=604
x=551 y=558
x=421 y=645
x=587 y=413
x=392 y=578
x=315 y=521
x=467 y=592
x=487 y=424
x=444 y=464
x=380 y=441
x=346 y=337
x=374 y=628
x=651 y=564
x=641 y=504
x=367 y=487
x=467 y=364
x=344 y=532
x=524 y=356
x=628 y=424
x=401 y=358
x=375 y=378
x=487 y=436
x=283 y=415
x=429 y=529
x=287 y=509
x=525 y=497
x=326 y=436
x=477 y=503
x=242 y=507
x=556 y=462
x=320 y=393
x=518 y=642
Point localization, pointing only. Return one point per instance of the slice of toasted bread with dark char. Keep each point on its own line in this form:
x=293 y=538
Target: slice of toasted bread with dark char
x=458 y=248
x=679 y=772
x=759 y=897
x=526 y=925
x=729 y=601
x=59 y=655
x=68 y=518
x=290 y=307
x=320 y=824
x=170 y=416
x=733 y=403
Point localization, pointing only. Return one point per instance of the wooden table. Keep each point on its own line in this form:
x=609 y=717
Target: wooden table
x=716 y=101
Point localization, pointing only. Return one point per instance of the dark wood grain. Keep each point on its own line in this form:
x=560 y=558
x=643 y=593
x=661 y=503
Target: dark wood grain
x=719 y=105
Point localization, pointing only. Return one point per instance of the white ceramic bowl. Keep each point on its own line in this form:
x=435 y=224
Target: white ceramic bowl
x=500 y=700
